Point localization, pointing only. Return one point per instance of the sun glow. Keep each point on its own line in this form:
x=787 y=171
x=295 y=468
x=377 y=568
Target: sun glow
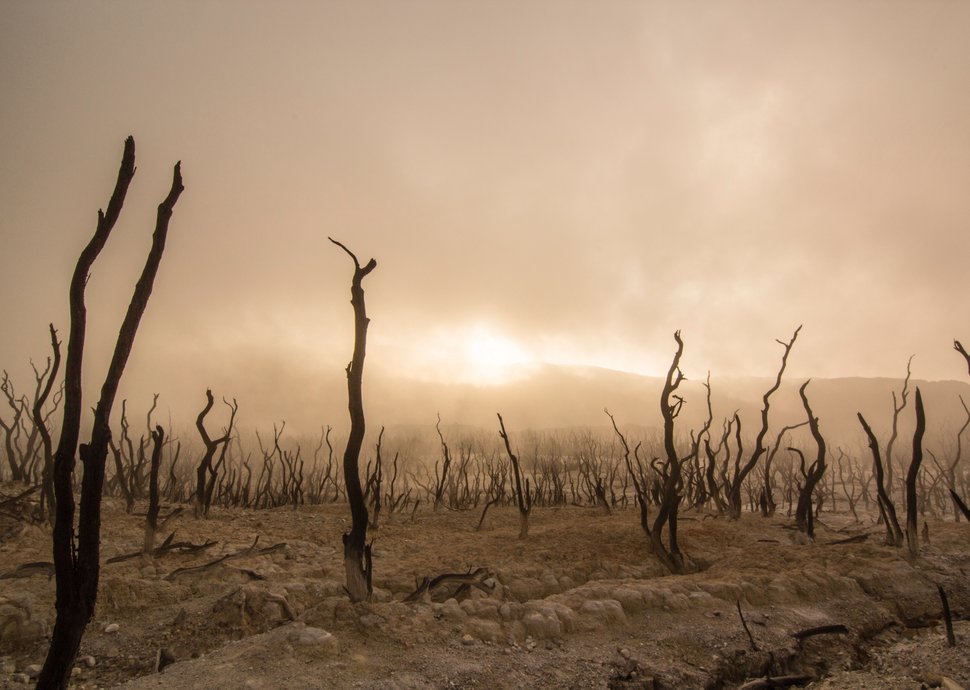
x=477 y=353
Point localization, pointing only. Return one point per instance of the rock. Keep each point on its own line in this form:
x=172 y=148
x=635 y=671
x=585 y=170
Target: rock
x=630 y=599
x=604 y=612
x=372 y=621
x=467 y=640
x=33 y=670
x=76 y=671
x=88 y=661
x=485 y=630
x=315 y=641
x=542 y=624
x=451 y=611
x=112 y=628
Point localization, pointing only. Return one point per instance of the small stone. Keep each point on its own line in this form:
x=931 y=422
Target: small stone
x=76 y=671
x=467 y=639
x=88 y=661
x=112 y=628
x=32 y=671
x=624 y=652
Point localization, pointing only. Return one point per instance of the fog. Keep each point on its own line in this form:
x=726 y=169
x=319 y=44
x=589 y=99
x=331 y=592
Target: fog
x=550 y=183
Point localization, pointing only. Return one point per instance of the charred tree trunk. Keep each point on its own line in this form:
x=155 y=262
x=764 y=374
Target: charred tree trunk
x=759 y=444
x=670 y=406
x=804 y=516
x=357 y=553
x=894 y=534
x=912 y=540
x=151 y=521
x=523 y=496
x=77 y=562
x=47 y=481
x=199 y=503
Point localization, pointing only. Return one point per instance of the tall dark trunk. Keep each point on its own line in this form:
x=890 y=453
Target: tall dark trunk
x=911 y=535
x=357 y=553
x=77 y=562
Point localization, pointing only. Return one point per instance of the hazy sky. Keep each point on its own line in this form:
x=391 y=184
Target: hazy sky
x=539 y=181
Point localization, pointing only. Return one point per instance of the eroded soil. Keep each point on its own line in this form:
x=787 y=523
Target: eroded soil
x=580 y=603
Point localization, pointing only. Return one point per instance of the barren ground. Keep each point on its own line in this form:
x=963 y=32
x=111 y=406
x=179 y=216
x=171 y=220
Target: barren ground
x=581 y=603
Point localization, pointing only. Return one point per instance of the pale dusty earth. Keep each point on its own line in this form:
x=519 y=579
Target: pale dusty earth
x=580 y=603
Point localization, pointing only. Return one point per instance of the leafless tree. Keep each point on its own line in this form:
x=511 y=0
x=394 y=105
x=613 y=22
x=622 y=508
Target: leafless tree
x=40 y=422
x=734 y=497
x=899 y=404
x=914 y=465
x=205 y=473
x=151 y=521
x=894 y=534
x=77 y=559
x=523 y=496
x=669 y=494
x=357 y=553
x=804 y=515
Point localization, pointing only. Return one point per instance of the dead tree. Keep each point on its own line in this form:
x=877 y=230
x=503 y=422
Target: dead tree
x=40 y=421
x=357 y=552
x=523 y=496
x=898 y=406
x=768 y=506
x=670 y=496
x=11 y=431
x=373 y=486
x=966 y=356
x=77 y=560
x=804 y=515
x=439 y=481
x=205 y=471
x=894 y=534
x=734 y=496
x=151 y=520
x=912 y=541
x=951 y=468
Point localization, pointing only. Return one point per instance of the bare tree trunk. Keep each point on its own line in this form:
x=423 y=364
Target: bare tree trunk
x=151 y=521
x=357 y=553
x=47 y=489
x=522 y=495
x=804 y=516
x=894 y=535
x=77 y=562
x=670 y=406
x=912 y=540
x=759 y=447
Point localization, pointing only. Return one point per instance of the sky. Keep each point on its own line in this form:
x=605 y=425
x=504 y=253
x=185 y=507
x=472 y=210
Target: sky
x=540 y=182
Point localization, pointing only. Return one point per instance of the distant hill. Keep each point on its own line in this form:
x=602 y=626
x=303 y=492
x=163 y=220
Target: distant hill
x=558 y=397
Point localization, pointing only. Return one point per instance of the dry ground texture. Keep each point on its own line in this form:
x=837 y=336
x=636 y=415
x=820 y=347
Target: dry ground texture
x=581 y=603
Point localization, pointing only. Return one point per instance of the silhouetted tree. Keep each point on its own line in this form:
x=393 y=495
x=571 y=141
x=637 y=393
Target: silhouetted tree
x=523 y=496
x=205 y=473
x=670 y=496
x=40 y=421
x=894 y=534
x=741 y=472
x=899 y=404
x=151 y=520
x=77 y=559
x=357 y=552
x=804 y=516
x=914 y=465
